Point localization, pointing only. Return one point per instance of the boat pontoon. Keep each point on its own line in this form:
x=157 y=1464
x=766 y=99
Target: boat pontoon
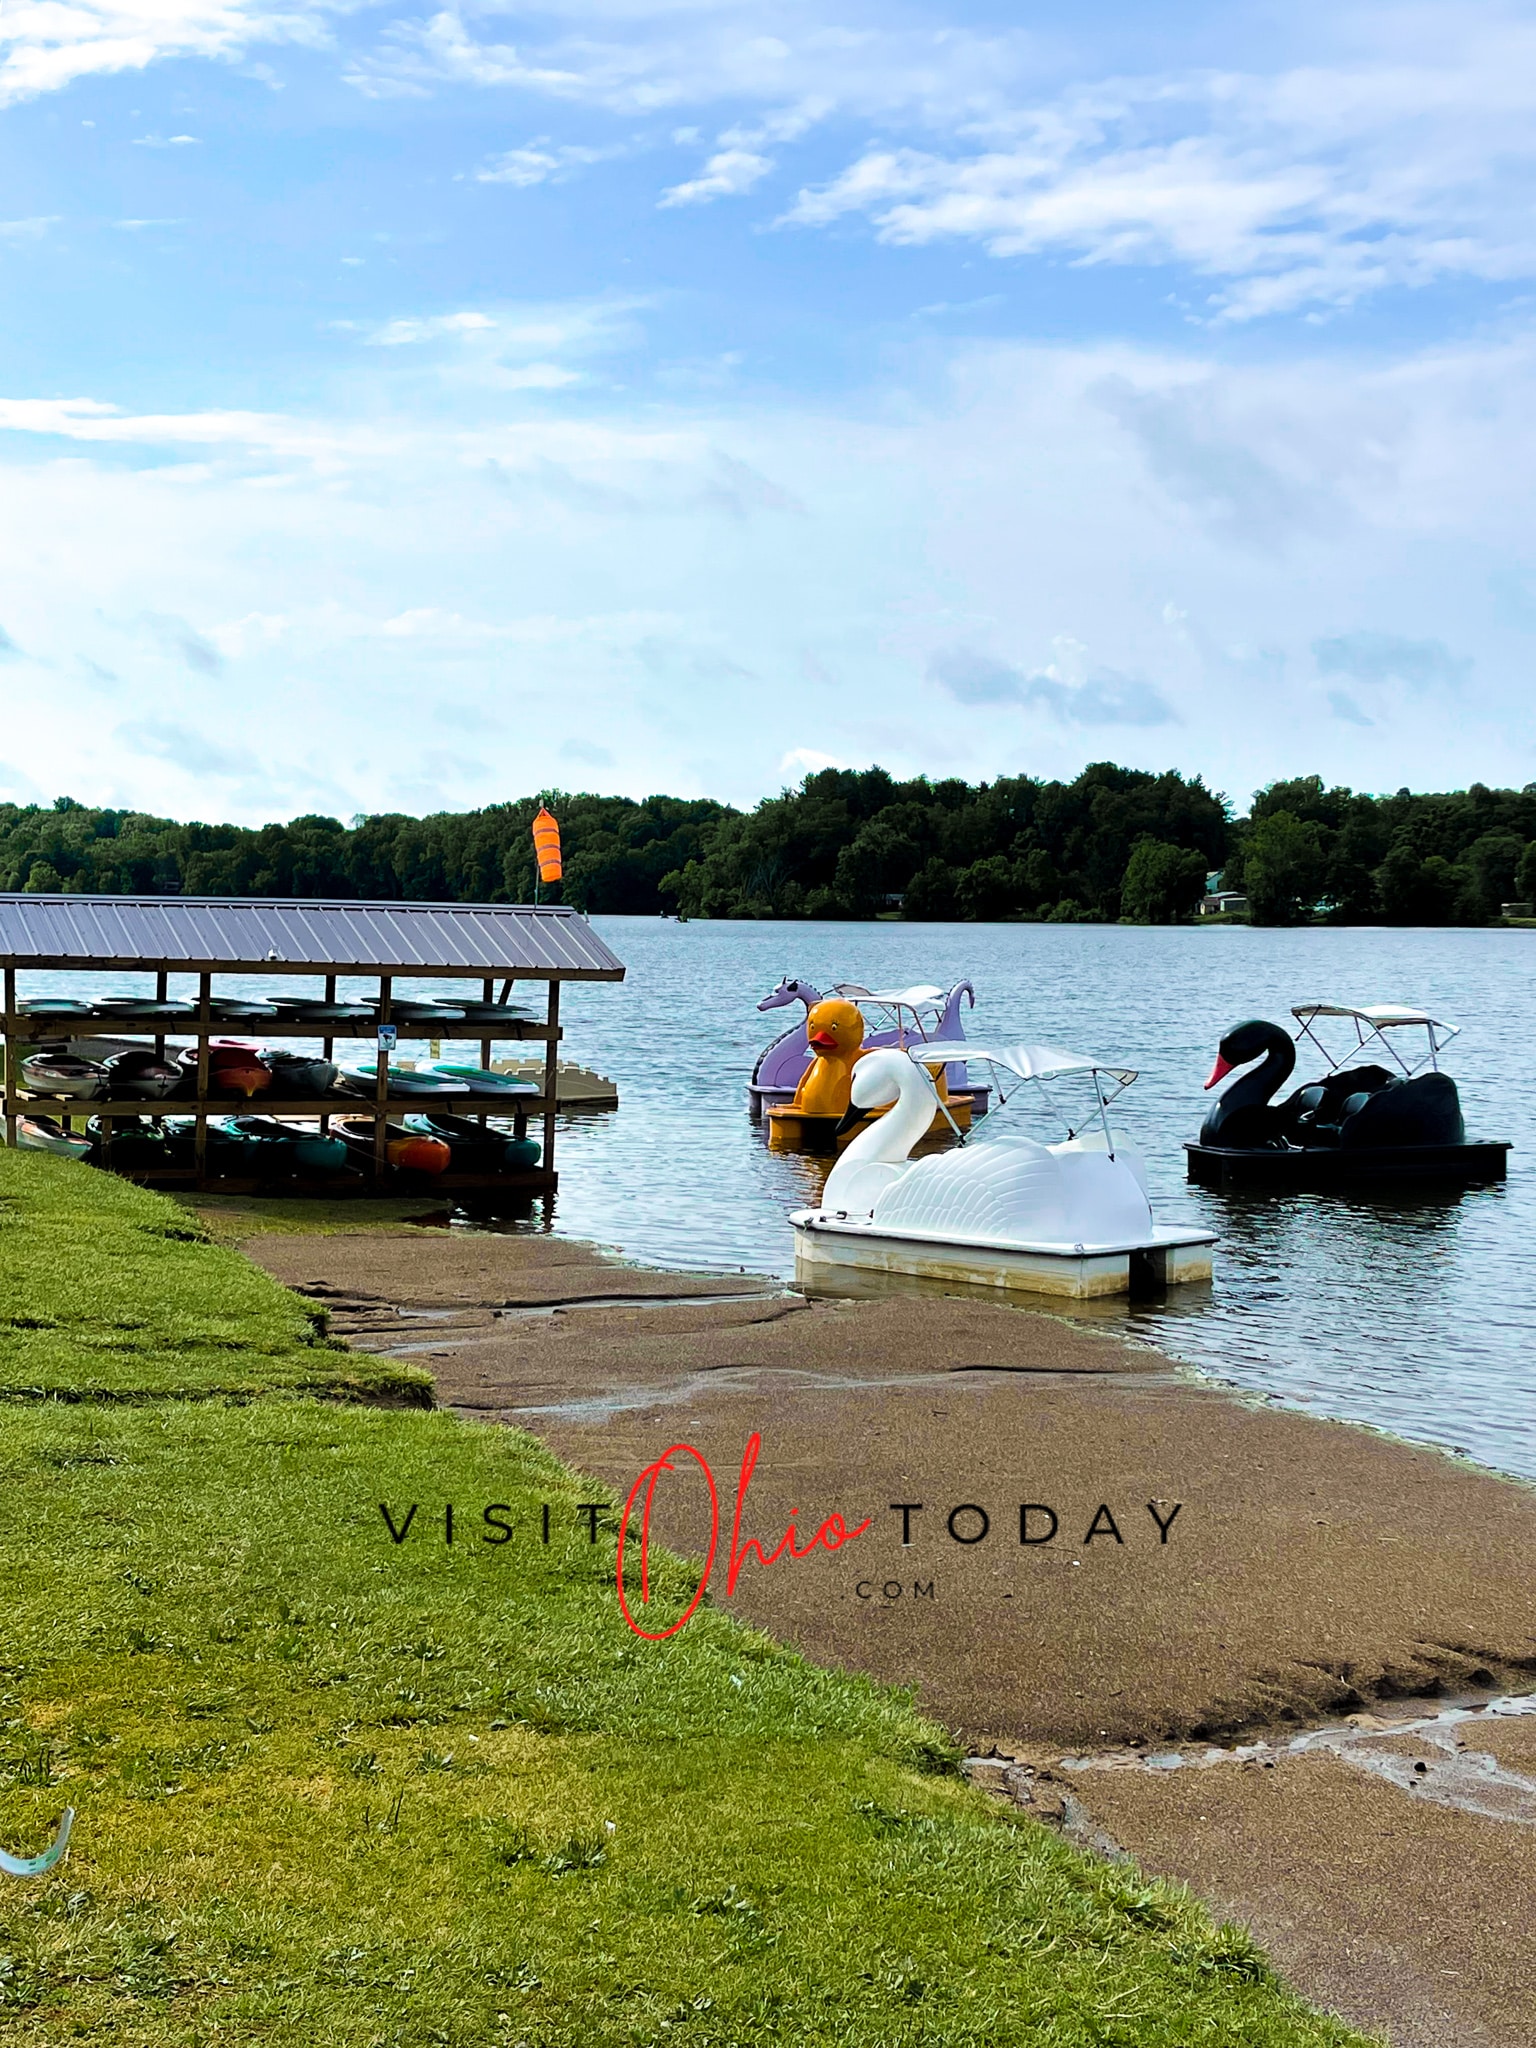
x=1071 y=1218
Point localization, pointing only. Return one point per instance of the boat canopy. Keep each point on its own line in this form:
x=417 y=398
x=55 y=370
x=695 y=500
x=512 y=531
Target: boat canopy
x=1380 y=1016
x=921 y=997
x=1029 y=1062
x=1374 y=1021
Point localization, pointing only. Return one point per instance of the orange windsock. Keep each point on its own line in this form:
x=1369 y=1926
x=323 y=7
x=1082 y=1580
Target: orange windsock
x=546 y=846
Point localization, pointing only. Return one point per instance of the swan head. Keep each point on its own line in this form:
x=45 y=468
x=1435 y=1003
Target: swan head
x=878 y=1081
x=835 y=1028
x=1245 y=1042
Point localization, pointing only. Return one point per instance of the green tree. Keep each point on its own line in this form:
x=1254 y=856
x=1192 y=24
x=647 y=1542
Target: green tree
x=1163 y=883
x=1283 y=867
x=1493 y=865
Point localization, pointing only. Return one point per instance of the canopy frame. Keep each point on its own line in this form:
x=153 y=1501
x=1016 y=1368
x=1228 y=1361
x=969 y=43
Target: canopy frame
x=1381 y=1018
x=1037 y=1064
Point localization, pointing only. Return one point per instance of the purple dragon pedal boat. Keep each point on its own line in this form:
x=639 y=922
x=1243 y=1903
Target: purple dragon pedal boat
x=900 y=1017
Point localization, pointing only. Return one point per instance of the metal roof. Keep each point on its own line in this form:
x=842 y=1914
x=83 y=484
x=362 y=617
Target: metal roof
x=225 y=935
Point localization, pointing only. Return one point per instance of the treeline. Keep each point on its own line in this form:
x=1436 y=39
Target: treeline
x=1306 y=851
x=851 y=843
x=616 y=853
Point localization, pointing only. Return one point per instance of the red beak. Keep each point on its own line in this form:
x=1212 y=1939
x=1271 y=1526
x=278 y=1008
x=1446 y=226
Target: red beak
x=822 y=1038
x=1220 y=1071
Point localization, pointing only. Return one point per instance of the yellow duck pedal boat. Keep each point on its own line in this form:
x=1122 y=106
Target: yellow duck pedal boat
x=835 y=1029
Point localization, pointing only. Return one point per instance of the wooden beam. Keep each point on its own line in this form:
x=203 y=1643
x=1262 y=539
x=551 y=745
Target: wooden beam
x=487 y=992
x=200 y=1127
x=327 y=1046
x=551 y=1077
x=12 y=1059
x=381 y=1084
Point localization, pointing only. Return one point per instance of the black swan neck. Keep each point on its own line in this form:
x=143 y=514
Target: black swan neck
x=1255 y=1088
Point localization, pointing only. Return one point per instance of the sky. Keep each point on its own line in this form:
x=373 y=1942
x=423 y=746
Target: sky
x=410 y=408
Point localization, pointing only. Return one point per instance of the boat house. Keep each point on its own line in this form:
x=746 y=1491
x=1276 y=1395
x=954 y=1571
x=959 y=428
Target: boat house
x=212 y=940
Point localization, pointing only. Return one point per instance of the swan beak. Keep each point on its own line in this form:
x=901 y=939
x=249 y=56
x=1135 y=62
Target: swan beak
x=1220 y=1071
x=851 y=1116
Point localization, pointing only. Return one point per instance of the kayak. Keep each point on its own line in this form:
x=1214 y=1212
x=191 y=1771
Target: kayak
x=138 y=1143
x=147 y=1006
x=482 y=1080
x=297 y=1073
x=234 y=1067
x=475 y=1149
x=61 y=1073
x=43 y=1134
x=407 y=1151
x=360 y=1077
x=308 y=1147
x=141 y=1072
x=495 y=1013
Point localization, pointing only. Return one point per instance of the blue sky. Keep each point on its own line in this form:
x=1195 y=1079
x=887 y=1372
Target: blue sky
x=411 y=408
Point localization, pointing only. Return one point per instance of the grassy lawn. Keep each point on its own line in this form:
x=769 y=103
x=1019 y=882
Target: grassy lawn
x=110 y=1292
x=334 y=1789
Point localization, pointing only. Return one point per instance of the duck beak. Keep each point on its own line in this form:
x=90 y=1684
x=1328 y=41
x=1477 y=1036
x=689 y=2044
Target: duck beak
x=1220 y=1071
x=851 y=1116
x=823 y=1038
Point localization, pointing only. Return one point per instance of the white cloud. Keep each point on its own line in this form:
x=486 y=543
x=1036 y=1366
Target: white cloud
x=1313 y=187
x=738 y=164
x=727 y=173
x=31 y=230
x=599 y=577
x=45 y=45
x=542 y=162
x=164 y=141
x=652 y=57
x=807 y=761
x=401 y=333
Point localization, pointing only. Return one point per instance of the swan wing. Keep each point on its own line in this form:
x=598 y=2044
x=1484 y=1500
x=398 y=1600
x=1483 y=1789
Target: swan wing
x=1018 y=1193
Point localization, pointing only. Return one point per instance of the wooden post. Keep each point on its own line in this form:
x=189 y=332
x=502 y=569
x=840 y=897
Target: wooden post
x=200 y=1127
x=487 y=992
x=160 y=995
x=381 y=1088
x=326 y=1047
x=551 y=1075
x=12 y=1058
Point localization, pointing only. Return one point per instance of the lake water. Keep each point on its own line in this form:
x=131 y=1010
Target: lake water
x=1416 y=1314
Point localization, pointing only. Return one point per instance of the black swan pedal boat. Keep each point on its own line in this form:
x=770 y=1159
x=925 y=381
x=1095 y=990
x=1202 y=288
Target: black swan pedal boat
x=1362 y=1121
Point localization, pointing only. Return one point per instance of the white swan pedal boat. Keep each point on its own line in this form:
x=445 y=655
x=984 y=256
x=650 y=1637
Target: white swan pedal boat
x=1069 y=1219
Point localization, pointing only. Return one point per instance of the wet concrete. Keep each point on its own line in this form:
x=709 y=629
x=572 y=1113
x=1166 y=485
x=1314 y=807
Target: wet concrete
x=1311 y=1571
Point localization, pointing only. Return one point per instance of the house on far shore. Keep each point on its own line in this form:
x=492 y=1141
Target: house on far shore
x=1224 y=903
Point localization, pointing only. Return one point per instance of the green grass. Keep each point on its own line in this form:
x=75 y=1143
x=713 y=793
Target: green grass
x=108 y=1291
x=334 y=1790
